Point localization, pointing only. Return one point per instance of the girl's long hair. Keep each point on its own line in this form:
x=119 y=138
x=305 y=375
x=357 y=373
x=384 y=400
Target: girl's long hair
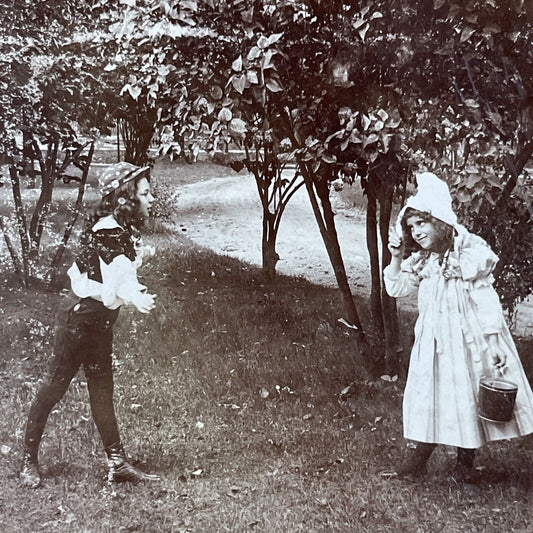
x=444 y=234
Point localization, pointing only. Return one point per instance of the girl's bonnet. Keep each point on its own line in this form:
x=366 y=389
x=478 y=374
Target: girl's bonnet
x=432 y=197
x=117 y=175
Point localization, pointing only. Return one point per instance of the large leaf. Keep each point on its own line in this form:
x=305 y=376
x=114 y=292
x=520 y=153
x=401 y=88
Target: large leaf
x=254 y=53
x=466 y=33
x=273 y=86
x=239 y=83
x=225 y=115
x=472 y=180
x=134 y=91
x=274 y=38
x=263 y=42
x=251 y=76
x=267 y=60
x=237 y=64
x=363 y=30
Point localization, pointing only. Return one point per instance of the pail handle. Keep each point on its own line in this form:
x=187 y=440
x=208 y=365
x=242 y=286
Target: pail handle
x=498 y=372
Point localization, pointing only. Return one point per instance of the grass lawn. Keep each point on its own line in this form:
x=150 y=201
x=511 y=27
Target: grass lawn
x=229 y=390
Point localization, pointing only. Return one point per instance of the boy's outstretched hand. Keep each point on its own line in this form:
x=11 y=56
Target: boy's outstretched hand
x=144 y=302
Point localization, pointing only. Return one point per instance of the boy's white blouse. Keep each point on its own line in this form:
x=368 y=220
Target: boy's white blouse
x=119 y=278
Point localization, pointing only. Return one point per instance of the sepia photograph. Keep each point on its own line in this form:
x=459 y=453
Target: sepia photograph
x=266 y=266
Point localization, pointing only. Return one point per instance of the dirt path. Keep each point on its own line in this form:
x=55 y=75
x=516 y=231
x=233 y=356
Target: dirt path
x=224 y=214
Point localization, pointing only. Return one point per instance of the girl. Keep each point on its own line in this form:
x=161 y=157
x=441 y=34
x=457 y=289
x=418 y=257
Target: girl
x=460 y=334
x=103 y=277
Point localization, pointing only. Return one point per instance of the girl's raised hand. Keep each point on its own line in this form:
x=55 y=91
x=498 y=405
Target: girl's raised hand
x=395 y=244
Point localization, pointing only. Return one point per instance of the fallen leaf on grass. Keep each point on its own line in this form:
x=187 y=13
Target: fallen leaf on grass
x=235 y=492
x=69 y=519
x=347 y=324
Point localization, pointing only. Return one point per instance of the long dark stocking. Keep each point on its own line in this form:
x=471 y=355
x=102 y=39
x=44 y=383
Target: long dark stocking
x=100 y=385
x=52 y=390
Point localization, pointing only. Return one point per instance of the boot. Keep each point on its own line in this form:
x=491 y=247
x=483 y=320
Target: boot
x=464 y=471
x=121 y=470
x=414 y=463
x=29 y=474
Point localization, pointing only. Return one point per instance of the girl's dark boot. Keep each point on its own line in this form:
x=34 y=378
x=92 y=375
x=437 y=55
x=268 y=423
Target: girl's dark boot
x=414 y=463
x=121 y=470
x=464 y=471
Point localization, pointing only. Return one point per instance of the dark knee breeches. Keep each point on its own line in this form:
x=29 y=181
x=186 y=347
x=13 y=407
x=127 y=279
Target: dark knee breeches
x=83 y=337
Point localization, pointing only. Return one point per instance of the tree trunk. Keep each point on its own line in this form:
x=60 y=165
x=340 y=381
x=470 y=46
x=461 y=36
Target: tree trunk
x=48 y=172
x=268 y=246
x=375 y=275
x=388 y=304
x=21 y=224
x=68 y=230
x=28 y=157
x=12 y=252
x=328 y=230
x=137 y=132
x=274 y=194
x=270 y=257
x=514 y=168
x=326 y=225
x=329 y=234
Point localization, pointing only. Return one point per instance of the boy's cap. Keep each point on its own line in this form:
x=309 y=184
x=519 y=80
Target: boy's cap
x=114 y=176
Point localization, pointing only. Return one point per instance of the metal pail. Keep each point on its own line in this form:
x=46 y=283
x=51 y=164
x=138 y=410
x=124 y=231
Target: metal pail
x=496 y=399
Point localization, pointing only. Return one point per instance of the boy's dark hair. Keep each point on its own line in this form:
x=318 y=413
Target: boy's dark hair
x=122 y=204
x=444 y=233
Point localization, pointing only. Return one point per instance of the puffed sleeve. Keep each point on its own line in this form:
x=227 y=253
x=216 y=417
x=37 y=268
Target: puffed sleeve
x=487 y=306
x=476 y=259
x=405 y=282
x=120 y=281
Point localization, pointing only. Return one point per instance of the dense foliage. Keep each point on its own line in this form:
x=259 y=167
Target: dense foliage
x=366 y=90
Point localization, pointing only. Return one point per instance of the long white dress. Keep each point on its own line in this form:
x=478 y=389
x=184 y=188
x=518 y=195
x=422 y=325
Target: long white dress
x=457 y=307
